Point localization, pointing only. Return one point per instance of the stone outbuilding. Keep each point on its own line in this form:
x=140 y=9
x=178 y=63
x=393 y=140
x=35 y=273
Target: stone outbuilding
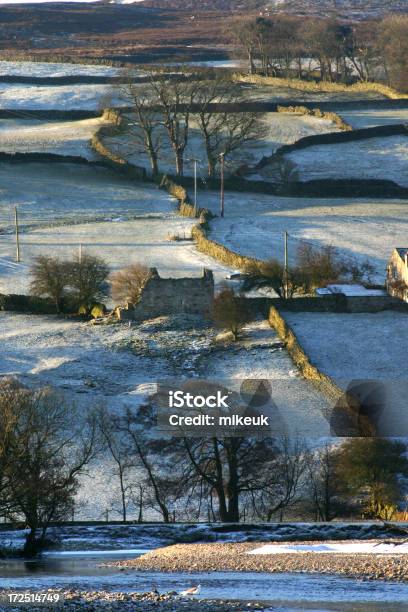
x=171 y=296
x=397 y=273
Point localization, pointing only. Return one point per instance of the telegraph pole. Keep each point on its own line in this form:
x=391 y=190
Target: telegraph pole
x=195 y=185
x=222 y=167
x=18 y=259
x=195 y=162
x=286 y=273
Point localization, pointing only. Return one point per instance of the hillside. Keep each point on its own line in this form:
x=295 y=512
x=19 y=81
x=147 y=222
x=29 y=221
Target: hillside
x=342 y=8
x=109 y=30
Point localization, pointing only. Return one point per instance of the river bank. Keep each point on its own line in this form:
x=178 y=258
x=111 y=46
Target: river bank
x=235 y=557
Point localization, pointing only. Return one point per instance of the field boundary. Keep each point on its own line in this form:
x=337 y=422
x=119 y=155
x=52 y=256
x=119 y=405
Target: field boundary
x=42 y=158
x=314 y=188
x=318 y=113
x=177 y=190
x=199 y=233
x=49 y=115
x=322 y=86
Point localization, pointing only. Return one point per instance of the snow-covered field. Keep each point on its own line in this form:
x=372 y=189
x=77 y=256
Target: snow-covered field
x=47 y=194
x=254 y=224
x=45 y=69
x=374 y=158
x=62 y=137
x=276 y=129
x=61 y=97
x=371 y=117
x=361 y=346
x=62 y=206
x=143 y=240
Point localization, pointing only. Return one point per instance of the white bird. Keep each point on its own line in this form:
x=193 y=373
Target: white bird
x=190 y=592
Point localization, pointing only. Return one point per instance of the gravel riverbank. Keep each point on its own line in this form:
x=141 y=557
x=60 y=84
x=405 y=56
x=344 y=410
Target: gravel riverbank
x=234 y=557
x=136 y=602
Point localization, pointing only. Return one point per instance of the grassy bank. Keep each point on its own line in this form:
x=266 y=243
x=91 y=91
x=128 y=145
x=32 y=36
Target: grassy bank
x=322 y=86
x=319 y=114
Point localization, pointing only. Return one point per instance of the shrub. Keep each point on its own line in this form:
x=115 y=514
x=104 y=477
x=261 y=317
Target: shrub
x=86 y=277
x=230 y=312
x=320 y=266
x=98 y=310
x=272 y=273
x=126 y=284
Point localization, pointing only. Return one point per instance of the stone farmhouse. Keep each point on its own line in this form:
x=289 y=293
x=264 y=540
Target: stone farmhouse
x=397 y=274
x=171 y=296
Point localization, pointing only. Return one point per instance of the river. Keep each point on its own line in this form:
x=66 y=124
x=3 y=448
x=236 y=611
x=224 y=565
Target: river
x=87 y=570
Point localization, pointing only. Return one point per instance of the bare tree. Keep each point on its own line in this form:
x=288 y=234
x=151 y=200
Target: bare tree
x=175 y=98
x=50 y=446
x=114 y=442
x=321 y=483
x=243 y=33
x=49 y=279
x=86 y=277
x=127 y=284
x=143 y=127
x=283 y=479
x=223 y=131
x=230 y=467
x=363 y=50
x=394 y=45
x=148 y=453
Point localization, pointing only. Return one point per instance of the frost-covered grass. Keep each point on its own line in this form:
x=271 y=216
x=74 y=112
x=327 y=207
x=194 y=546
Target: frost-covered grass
x=374 y=158
x=361 y=346
x=337 y=342
x=64 y=205
x=254 y=225
x=45 y=69
x=276 y=129
x=62 y=137
x=52 y=193
x=143 y=240
x=61 y=97
x=281 y=93
x=371 y=117
x=296 y=406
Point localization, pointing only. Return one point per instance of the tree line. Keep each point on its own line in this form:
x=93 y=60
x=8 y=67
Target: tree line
x=327 y=49
x=46 y=445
